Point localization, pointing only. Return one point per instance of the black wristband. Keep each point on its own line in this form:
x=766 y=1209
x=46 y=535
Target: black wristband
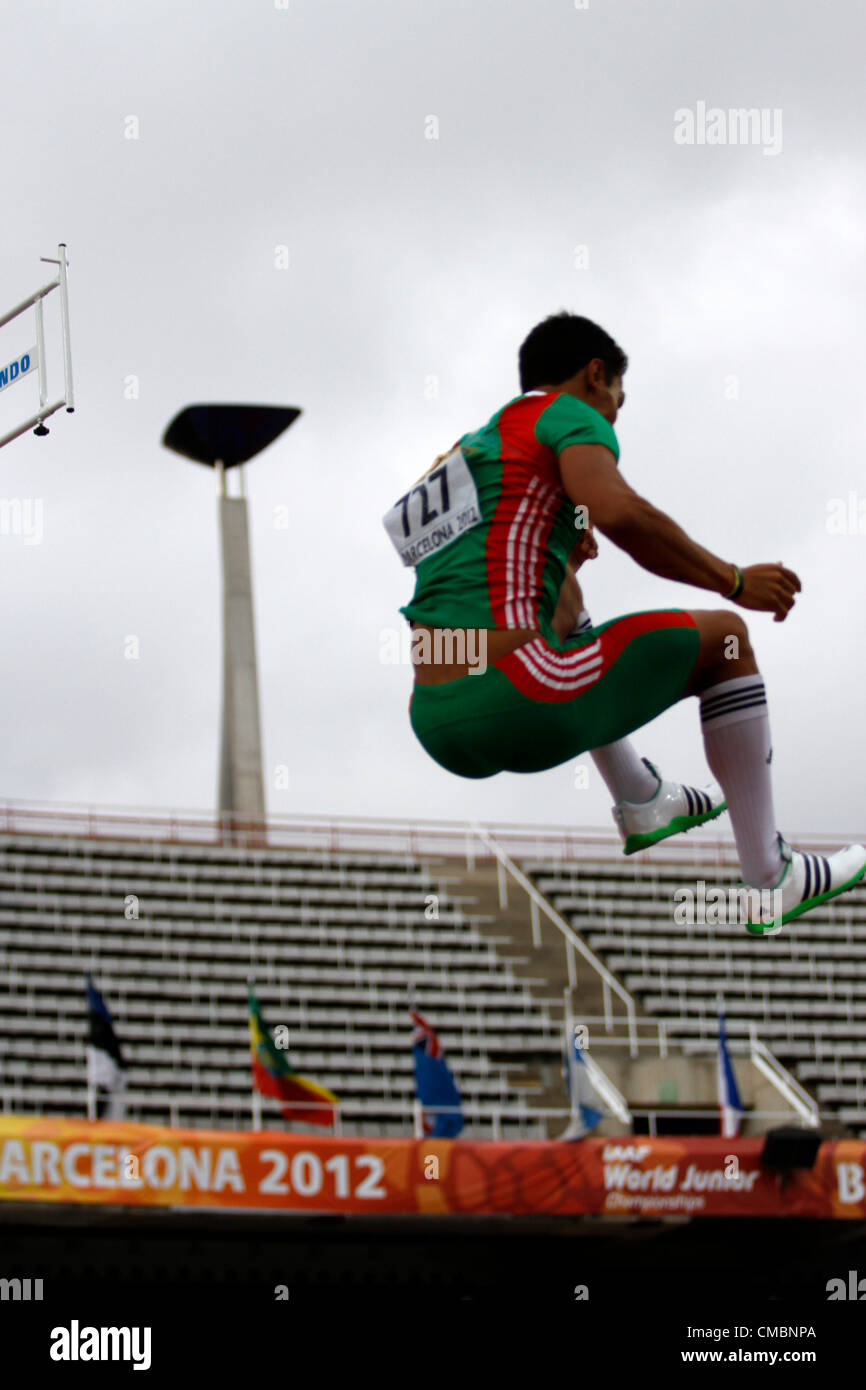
x=738 y=587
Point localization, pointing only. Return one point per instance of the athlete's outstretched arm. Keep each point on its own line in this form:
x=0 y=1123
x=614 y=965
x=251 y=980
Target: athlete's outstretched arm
x=592 y=479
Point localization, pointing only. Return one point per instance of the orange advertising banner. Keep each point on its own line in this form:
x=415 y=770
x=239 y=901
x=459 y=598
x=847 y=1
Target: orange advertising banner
x=110 y=1162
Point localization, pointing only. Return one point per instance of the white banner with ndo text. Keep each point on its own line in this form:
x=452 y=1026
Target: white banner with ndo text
x=18 y=367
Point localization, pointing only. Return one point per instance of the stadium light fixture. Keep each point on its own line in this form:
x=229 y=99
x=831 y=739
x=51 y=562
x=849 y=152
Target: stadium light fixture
x=227 y=434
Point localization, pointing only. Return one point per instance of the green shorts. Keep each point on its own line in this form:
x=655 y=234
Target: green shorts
x=543 y=704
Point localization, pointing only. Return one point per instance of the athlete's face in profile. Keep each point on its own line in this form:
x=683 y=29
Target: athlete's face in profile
x=589 y=385
x=610 y=398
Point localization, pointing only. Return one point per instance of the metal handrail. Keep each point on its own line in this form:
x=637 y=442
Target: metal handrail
x=786 y=1084
x=610 y=981
x=759 y=1054
x=542 y=840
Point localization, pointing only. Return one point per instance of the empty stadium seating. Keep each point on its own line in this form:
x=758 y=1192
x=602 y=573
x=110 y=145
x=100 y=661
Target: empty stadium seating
x=171 y=934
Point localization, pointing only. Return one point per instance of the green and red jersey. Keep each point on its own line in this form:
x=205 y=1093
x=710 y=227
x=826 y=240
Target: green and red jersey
x=490 y=528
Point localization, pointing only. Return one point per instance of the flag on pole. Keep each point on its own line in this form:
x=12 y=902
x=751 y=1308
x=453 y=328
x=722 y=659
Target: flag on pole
x=434 y=1083
x=587 y=1107
x=274 y=1076
x=730 y=1105
x=106 y=1069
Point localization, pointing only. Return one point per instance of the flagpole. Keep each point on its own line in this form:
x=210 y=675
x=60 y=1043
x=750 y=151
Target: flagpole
x=256 y=1098
x=720 y=1011
x=569 y=1052
x=91 y=1092
x=417 y=1111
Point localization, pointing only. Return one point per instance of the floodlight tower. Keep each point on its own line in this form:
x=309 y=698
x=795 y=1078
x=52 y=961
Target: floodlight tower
x=224 y=437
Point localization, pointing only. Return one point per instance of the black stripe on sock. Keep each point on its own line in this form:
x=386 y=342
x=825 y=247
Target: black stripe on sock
x=719 y=701
x=712 y=708
x=689 y=801
x=757 y=688
x=742 y=690
x=734 y=702
x=749 y=702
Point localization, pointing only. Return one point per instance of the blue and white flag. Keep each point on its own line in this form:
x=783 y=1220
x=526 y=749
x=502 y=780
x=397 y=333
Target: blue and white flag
x=730 y=1105
x=106 y=1069
x=587 y=1106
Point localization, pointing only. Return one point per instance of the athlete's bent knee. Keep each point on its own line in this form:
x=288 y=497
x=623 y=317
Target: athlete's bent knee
x=736 y=642
x=722 y=634
x=725 y=649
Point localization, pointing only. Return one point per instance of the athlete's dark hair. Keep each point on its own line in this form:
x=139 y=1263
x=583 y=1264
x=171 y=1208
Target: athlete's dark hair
x=562 y=344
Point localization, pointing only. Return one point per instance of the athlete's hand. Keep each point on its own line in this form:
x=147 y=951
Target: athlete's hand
x=769 y=589
x=586 y=549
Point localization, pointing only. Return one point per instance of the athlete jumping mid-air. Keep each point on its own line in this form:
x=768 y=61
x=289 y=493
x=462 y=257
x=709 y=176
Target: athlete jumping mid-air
x=527 y=682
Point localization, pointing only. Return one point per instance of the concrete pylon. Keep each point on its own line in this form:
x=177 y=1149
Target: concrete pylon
x=223 y=437
x=241 y=784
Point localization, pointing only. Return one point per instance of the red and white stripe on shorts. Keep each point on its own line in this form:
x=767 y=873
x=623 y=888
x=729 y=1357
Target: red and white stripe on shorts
x=548 y=674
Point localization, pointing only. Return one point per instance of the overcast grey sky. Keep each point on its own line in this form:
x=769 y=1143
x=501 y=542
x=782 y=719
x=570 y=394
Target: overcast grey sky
x=731 y=273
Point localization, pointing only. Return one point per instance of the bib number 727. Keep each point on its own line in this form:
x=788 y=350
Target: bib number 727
x=435 y=512
x=440 y=476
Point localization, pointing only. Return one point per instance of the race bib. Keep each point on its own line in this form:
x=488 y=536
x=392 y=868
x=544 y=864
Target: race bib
x=435 y=512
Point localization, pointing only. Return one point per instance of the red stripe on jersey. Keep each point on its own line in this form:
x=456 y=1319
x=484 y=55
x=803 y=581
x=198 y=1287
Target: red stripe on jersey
x=516 y=426
x=531 y=492
x=545 y=674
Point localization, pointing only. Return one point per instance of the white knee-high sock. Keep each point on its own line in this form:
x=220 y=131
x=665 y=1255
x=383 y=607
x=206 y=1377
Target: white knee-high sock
x=626 y=776
x=736 y=729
